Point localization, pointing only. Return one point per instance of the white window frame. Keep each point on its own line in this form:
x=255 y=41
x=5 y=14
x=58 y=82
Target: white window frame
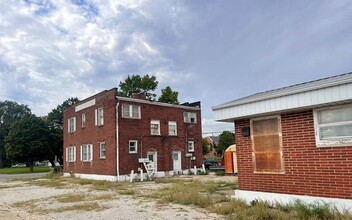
x=87 y=156
x=101 y=150
x=188 y=116
x=332 y=141
x=190 y=149
x=71 y=154
x=129 y=146
x=152 y=130
x=83 y=118
x=71 y=125
x=99 y=116
x=129 y=113
x=172 y=123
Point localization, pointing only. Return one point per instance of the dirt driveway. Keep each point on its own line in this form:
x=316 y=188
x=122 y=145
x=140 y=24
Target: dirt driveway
x=70 y=198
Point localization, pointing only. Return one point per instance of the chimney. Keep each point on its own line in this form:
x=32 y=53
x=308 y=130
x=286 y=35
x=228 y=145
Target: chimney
x=139 y=96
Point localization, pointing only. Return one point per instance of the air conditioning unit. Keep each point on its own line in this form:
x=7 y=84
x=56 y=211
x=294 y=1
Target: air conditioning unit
x=188 y=155
x=143 y=160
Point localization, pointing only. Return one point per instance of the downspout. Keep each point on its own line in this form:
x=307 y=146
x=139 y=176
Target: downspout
x=117 y=142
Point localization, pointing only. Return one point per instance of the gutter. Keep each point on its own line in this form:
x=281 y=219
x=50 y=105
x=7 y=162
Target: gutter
x=117 y=142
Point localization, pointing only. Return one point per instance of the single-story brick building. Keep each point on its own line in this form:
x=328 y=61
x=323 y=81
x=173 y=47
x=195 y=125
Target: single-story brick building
x=295 y=142
x=107 y=136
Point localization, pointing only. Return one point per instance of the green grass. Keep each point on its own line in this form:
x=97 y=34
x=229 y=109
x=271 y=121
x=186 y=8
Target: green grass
x=19 y=170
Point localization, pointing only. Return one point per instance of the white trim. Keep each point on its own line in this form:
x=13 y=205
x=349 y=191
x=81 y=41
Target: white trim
x=156 y=103
x=188 y=150
x=248 y=196
x=81 y=156
x=74 y=124
x=85 y=105
x=83 y=120
x=290 y=90
x=74 y=155
x=101 y=151
x=67 y=154
x=117 y=142
x=96 y=117
x=130 y=111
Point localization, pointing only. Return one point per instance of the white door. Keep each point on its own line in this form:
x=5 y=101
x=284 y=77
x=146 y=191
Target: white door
x=152 y=156
x=176 y=157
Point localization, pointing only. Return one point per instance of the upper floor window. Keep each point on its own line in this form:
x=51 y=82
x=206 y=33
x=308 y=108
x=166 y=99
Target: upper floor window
x=132 y=146
x=102 y=150
x=99 y=116
x=190 y=117
x=71 y=154
x=131 y=111
x=172 y=128
x=190 y=146
x=72 y=124
x=155 y=127
x=86 y=152
x=83 y=120
x=333 y=126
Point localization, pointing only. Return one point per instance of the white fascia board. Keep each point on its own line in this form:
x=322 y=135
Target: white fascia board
x=85 y=105
x=290 y=90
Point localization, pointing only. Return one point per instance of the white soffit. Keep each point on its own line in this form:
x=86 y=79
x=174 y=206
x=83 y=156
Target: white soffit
x=328 y=91
x=85 y=105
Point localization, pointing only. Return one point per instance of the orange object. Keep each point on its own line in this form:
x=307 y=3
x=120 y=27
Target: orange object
x=230 y=159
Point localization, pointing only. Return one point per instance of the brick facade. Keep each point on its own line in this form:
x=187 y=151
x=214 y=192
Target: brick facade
x=131 y=129
x=325 y=172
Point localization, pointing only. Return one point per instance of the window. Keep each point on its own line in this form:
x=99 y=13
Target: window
x=131 y=111
x=83 y=120
x=71 y=154
x=72 y=124
x=154 y=127
x=86 y=152
x=190 y=117
x=132 y=147
x=333 y=126
x=102 y=150
x=190 y=146
x=99 y=116
x=267 y=145
x=172 y=128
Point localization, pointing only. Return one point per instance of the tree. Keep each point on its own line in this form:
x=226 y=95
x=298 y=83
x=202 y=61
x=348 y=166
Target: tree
x=29 y=140
x=137 y=84
x=226 y=138
x=10 y=112
x=206 y=146
x=169 y=96
x=55 y=122
x=55 y=118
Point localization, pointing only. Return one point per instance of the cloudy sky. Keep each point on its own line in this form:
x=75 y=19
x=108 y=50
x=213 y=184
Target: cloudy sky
x=209 y=50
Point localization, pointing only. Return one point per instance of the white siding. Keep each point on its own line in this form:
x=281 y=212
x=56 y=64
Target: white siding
x=308 y=99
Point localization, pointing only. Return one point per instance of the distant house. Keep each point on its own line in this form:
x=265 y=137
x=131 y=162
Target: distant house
x=107 y=136
x=295 y=142
x=212 y=141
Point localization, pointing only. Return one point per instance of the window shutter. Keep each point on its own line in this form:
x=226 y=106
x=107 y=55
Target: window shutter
x=68 y=127
x=66 y=154
x=96 y=117
x=74 y=123
x=267 y=145
x=81 y=153
x=74 y=154
x=91 y=152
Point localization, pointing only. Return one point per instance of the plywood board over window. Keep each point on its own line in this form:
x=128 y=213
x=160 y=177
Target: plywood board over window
x=267 y=145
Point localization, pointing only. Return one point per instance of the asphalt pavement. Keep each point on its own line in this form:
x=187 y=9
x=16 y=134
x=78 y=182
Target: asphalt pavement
x=5 y=177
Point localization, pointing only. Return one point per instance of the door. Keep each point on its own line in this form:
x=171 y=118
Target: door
x=152 y=156
x=176 y=158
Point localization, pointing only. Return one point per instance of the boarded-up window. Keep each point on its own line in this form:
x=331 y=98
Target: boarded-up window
x=267 y=145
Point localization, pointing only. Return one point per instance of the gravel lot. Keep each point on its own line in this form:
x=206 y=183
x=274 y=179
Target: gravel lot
x=37 y=199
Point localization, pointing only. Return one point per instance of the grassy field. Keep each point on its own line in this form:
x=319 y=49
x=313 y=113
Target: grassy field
x=19 y=170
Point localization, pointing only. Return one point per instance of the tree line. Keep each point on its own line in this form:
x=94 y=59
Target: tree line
x=26 y=138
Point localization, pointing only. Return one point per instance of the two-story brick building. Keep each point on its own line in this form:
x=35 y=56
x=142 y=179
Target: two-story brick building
x=107 y=136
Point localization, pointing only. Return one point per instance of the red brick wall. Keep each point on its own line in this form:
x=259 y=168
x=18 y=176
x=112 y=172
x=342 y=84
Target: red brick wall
x=309 y=170
x=139 y=129
x=130 y=129
x=92 y=134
